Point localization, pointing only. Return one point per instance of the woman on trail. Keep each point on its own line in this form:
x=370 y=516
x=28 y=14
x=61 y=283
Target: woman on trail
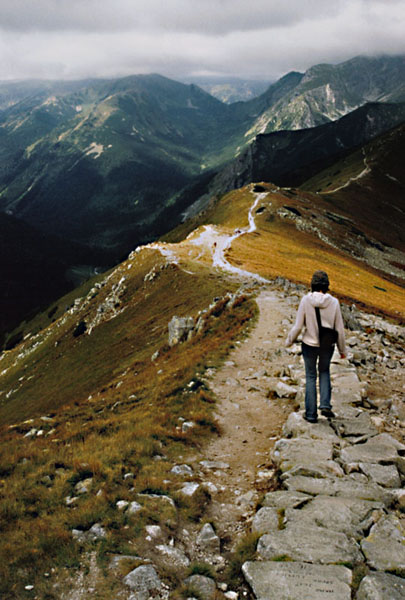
x=330 y=317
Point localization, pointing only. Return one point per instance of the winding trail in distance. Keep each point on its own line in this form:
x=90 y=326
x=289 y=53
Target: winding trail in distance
x=215 y=242
x=364 y=172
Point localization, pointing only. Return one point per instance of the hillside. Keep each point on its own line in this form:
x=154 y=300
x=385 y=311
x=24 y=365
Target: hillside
x=36 y=269
x=102 y=160
x=97 y=407
x=327 y=92
x=289 y=158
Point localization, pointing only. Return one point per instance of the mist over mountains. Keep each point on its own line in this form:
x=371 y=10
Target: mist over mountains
x=111 y=164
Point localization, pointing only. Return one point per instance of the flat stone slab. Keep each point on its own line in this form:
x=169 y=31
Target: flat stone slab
x=344 y=487
x=385 y=475
x=384 y=548
x=302 y=451
x=285 y=499
x=266 y=519
x=309 y=543
x=328 y=468
x=361 y=425
x=339 y=514
x=271 y=580
x=387 y=439
x=381 y=586
x=145 y=583
x=296 y=426
x=370 y=452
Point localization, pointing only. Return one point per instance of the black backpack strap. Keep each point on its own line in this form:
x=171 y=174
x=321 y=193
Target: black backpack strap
x=318 y=318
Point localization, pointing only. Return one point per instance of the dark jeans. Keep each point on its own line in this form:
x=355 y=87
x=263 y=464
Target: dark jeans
x=311 y=355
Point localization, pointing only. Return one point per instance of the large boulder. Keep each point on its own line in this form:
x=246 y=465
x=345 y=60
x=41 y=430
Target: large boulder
x=384 y=548
x=381 y=586
x=286 y=580
x=145 y=583
x=305 y=542
x=179 y=329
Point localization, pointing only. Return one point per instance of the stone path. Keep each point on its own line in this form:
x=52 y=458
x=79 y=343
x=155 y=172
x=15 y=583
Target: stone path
x=336 y=512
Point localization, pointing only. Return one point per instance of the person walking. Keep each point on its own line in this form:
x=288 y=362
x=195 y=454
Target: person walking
x=330 y=317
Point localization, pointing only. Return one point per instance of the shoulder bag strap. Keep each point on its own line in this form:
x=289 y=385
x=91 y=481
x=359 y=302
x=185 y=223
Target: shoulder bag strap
x=318 y=318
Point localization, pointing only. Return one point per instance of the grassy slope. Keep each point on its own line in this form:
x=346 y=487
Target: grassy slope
x=278 y=248
x=112 y=410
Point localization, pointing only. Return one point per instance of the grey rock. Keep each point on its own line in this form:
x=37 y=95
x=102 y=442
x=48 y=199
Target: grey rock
x=144 y=581
x=361 y=425
x=122 y=504
x=266 y=520
x=79 y=535
x=283 y=390
x=248 y=500
x=96 y=532
x=285 y=499
x=208 y=540
x=297 y=580
x=190 y=488
x=309 y=543
x=342 y=487
x=384 y=548
x=204 y=586
x=175 y=556
x=163 y=498
x=388 y=440
x=117 y=559
x=325 y=469
x=133 y=508
x=381 y=586
x=339 y=514
x=184 y=470
x=385 y=475
x=214 y=465
x=179 y=328
x=83 y=487
x=370 y=452
x=397 y=410
x=302 y=451
x=154 y=531
x=297 y=426
x=187 y=426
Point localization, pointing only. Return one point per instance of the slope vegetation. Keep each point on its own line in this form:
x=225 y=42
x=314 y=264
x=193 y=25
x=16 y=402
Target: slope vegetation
x=94 y=396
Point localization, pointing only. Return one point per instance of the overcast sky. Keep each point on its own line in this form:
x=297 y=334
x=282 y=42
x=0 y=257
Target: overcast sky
x=255 y=39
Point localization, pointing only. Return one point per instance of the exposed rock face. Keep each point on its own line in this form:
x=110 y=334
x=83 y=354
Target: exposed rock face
x=341 y=481
x=208 y=540
x=384 y=547
x=285 y=580
x=179 y=329
x=145 y=583
x=381 y=586
x=204 y=586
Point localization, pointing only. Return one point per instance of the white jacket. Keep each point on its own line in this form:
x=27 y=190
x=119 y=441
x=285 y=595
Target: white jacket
x=331 y=316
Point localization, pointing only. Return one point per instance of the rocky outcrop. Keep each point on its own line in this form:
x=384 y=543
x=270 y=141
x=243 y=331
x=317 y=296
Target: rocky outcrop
x=339 y=485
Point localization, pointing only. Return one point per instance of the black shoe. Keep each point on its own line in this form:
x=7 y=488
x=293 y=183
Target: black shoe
x=328 y=413
x=311 y=420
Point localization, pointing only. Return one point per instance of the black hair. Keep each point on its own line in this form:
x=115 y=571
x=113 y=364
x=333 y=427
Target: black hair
x=319 y=287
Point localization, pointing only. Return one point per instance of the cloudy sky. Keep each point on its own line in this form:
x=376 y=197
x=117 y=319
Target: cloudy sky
x=256 y=39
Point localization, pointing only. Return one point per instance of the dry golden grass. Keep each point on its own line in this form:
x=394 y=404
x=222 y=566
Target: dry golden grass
x=118 y=429
x=295 y=255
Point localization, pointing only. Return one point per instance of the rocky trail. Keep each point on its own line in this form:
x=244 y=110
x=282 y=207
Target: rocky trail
x=334 y=512
x=325 y=500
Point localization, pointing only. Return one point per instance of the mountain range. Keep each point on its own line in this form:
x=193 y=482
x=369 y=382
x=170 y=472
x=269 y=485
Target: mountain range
x=110 y=164
x=107 y=397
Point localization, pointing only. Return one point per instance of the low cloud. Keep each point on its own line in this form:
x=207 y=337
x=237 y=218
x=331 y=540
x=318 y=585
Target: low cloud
x=256 y=39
